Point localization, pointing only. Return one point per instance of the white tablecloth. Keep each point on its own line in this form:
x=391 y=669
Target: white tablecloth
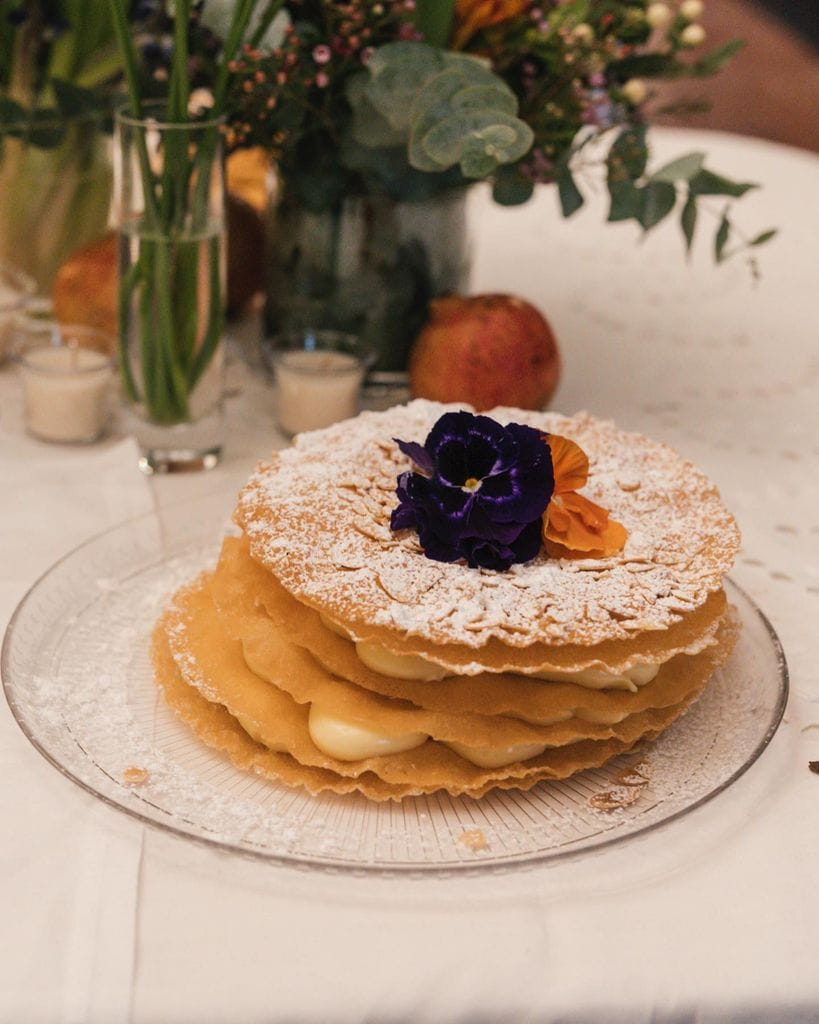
x=714 y=917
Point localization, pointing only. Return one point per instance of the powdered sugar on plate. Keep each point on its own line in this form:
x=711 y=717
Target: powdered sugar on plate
x=78 y=677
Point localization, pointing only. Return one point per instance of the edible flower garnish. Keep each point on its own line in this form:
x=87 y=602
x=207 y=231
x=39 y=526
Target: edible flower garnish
x=574 y=526
x=478 y=491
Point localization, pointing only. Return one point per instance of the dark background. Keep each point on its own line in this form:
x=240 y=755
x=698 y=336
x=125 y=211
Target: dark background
x=800 y=15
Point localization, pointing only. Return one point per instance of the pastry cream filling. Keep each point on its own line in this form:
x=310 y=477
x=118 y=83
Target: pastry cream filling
x=413 y=666
x=494 y=757
x=251 y=728
x=348 y=742
x=399 y=666
x=345 y=741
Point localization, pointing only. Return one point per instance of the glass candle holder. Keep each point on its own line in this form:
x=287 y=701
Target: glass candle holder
x=318 y=377
x=68 y=378
x=16 y=288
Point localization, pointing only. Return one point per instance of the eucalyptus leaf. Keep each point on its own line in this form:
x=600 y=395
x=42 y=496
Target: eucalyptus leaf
x=398 y=71
x=682 y=169
x=657 y=199
x=477 y=140
x=486 y=97
x=688 y=221
x=434 y=104
x=475 y=162
x=625 y=201
x=628 y=155
x=510 y=187
x=369 y=127
x=571 y=198
x=764 y=237
x=721 y=238
x=706 y=183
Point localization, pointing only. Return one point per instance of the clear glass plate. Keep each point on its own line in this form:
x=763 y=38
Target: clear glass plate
x=77 y=676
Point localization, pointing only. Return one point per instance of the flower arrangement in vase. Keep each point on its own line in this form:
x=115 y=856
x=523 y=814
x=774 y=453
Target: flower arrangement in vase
x=378 y=116
x=372 y=111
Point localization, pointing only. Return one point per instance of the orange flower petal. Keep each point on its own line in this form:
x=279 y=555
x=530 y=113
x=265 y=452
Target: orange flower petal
x=593 y=517
x=576 y=525
x=473 y=15
x=570 y=462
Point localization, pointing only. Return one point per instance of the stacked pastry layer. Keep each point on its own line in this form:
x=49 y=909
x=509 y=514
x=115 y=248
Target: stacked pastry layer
x=327 y=651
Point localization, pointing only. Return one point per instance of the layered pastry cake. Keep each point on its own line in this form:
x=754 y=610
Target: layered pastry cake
x=424 y=599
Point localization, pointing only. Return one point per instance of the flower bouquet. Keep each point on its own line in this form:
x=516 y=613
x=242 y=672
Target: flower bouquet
x=378 y=117
x=365 y=105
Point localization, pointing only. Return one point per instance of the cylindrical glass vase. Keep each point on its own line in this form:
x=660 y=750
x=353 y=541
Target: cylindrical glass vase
x=368 y=265
x=169 y=195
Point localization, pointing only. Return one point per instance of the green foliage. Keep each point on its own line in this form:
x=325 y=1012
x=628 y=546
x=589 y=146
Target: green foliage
x=58 y=61
x=649 y=197
x=434 y=20
x=448 y=109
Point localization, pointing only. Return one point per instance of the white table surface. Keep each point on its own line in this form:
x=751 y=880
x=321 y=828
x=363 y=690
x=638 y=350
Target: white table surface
x=714 y=917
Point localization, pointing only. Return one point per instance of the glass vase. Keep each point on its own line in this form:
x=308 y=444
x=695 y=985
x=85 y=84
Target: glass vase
x=169 y=199
x=368 y=266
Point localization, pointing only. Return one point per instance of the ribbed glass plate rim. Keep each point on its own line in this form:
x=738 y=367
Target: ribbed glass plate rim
x=214 y=510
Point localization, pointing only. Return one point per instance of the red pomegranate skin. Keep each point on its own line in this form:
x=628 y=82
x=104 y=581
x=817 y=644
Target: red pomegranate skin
x=485 y=350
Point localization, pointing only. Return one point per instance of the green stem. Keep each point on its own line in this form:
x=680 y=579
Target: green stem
x=127 y=286
x=213 y=333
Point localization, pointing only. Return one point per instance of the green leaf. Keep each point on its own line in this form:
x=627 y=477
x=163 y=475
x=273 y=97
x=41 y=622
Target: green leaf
x=688 y=221
x=433 y=18
x=627 y=158
x=510 y=188
x=369 y=127
x=496 y=96
x=716 y=59
x=657 y=200
x=721 y=238
x=478 y=141
x=571 y=198
x=682 y=169
x=435 y=103
x=46 y=128
x=706 y=183
x=398 y=72
x=648 y=65
x=764 y=237
x=12 y=117
x=73 y=101
x=625 y=202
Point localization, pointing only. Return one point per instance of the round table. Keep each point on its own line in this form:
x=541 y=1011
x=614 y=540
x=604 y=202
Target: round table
x=713 y=917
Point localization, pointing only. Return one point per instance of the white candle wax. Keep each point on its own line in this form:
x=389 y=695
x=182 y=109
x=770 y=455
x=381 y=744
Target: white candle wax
x=67 y=393
x=316 y=388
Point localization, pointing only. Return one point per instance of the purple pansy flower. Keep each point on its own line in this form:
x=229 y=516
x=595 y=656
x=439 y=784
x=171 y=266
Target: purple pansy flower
x=479 y=493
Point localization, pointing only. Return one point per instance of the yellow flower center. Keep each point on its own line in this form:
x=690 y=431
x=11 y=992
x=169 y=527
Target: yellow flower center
x=471 y=484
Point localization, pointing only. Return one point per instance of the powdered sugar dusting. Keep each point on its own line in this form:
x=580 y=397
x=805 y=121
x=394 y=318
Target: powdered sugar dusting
x=318 y=518
x=79 y=680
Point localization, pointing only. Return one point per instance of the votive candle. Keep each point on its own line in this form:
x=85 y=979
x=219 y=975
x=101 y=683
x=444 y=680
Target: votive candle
x=316 y=388
x=67 y=392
